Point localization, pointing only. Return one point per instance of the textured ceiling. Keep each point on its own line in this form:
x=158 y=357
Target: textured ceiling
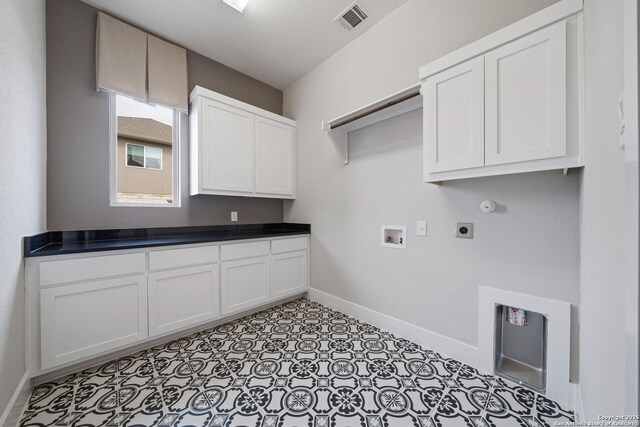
x=275 y=41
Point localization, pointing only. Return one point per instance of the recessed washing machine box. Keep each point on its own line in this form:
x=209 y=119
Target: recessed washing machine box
x=521 y=347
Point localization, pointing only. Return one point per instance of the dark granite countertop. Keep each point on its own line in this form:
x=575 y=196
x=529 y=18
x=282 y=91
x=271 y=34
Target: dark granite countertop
x=71 y=242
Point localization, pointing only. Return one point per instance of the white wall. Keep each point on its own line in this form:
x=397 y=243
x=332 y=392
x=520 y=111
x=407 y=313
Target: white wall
x=529 y=245
x=602 y=342
x=22 y=170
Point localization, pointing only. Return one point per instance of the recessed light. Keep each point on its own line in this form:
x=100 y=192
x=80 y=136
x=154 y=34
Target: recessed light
x=238 y=5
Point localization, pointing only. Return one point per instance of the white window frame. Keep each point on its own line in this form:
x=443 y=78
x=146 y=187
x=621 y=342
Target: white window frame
x=113 y=161
x=144 y=156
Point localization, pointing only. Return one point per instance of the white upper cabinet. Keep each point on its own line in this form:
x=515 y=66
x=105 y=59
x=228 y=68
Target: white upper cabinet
x=454 y=117
x=237 y=149
x=526 y=98
x=275 y=157
x=227 y=148
x=507 y=103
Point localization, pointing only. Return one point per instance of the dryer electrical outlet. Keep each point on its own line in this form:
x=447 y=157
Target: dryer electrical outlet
x=464 y=230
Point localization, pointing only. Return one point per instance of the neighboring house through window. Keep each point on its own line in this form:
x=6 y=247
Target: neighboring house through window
x=142 y=156
x=145 y=154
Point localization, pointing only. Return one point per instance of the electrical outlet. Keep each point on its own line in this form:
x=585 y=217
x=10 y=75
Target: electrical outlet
x=421 y=228
x=464 y=230
x=234 y=216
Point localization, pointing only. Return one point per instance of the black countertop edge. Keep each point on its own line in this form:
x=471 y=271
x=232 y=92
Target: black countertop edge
x=79 y=241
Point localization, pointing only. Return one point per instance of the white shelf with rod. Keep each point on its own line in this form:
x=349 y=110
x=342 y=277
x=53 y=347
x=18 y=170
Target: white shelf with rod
x=398 y=103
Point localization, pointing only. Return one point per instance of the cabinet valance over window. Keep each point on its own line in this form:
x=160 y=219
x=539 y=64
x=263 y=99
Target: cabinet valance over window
x=121 y=58
x=167 y=73
x=133 y=63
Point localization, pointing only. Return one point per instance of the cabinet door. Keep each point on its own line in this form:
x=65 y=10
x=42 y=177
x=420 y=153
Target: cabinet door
x=85 y=319
x=289 y=274
x=227 y=139
x=181 y=298
x=454 y=118
x=244 y=284
x=526 y=98
x=275 y=157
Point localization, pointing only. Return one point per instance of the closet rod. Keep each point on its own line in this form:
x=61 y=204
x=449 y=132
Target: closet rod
x=376 y=109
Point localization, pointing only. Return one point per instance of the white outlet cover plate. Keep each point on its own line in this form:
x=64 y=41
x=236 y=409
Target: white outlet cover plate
x=421 y=228
x=234 y=216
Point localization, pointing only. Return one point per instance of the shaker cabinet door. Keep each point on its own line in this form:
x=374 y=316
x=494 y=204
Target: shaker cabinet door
x=182 y=298
x=526 y=98
x=89 y=318
x=227 y=159
x=454 y=118
x=244 y=284
x=275 y=157
x=289 y=274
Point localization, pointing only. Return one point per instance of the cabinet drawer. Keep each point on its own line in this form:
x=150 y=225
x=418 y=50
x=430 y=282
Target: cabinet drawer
x=73 y=270
x=173 y=258
x=288 y=245
x=244 y=250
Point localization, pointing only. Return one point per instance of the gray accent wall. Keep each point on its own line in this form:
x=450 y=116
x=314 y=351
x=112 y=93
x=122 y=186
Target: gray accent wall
x=78 y=135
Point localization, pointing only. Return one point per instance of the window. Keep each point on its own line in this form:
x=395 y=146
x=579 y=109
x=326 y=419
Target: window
x=145 y=151
x=142 y=156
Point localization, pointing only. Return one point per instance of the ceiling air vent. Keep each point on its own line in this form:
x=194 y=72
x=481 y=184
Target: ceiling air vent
x=352 y=16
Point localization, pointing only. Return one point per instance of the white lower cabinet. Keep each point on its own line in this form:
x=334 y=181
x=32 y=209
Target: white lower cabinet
x=89 y=318
x=87 y=305
x=289 y=274
x=244 y=284
x=181 y=298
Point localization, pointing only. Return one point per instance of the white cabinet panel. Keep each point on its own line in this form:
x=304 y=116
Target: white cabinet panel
x=183 y=257
x=454 y=118
x=227 y=144
x=98 y=267
x=288 y=245
x=289 y=274
x=244 y=284
x=526 y=97
x=181 y=298
x=244 y=250
x=89 y=318
x=275 y=157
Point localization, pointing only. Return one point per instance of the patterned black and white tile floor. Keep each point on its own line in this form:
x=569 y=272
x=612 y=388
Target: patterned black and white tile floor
x=298 y=364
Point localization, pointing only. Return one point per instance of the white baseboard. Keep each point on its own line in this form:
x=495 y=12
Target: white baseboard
x=12 y=413
x=439 y=343
x=578 y=405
